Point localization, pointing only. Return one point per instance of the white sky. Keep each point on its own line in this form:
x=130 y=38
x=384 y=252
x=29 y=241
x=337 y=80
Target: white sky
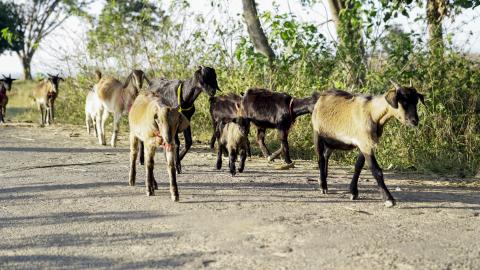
x=465 y=29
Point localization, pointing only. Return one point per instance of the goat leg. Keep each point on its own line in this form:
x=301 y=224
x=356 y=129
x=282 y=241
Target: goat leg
x=231 y=161
x=178 y=164
x=261 y=142
x=133 y=159
x=170 y=157
x=187 y=133
x=218 y=165
x=358 y=169
x=378 y=175
x=149 y=153
x=142 y=156
x=320 y=148
x=243 y=157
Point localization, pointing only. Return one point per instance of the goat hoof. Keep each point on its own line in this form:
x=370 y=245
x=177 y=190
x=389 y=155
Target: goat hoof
x=155 y=185
x=389 y=203
x=270 y=159
x=131 y=183
x=240 y=170
x=353 y=197
x=175 y=198
x=150 y=192
x=324 y=191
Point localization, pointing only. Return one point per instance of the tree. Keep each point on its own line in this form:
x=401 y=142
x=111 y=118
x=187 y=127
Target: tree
x=124 y=30
x=351 y=49
x=255 y=30
x=36 y=19
x=437 y=10
x=11 y=38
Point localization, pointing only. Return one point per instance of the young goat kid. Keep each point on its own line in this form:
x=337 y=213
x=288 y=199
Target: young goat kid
x=5 y=85
x=44 y=95
x=233 y=138
x=116 y=98
x=344 y=121
x=155 y=125
x=224 y=108
x=93 y=107
x=267 y=109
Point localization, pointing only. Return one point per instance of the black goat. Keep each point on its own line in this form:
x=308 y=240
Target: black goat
x=5 y=85
x=182 y=95
x=267 y=109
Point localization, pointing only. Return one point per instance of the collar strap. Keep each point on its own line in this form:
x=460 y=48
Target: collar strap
x=290 y=108
x=165 y=145
x=179 y=99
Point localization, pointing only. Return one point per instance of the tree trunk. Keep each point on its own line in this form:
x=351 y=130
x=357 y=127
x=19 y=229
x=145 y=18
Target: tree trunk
x=351 y=48
x=335 y=7
x=435 y=13
x=255 y=30
x=26 y=61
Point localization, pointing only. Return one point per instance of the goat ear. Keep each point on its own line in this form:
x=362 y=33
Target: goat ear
x=146 y=79
x=183 y=122
x=391 y=98
x=422 y=98
x=396 y=85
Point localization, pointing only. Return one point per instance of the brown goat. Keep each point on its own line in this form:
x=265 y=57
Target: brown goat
x=44 y=95
x=116 y=98
x=155 y=125
x=344 y=121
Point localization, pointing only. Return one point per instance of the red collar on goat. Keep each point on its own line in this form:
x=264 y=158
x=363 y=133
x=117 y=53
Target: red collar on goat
x=165 y=145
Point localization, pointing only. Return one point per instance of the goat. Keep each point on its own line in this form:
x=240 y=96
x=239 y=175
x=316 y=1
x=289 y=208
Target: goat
x=224 y=108
x=182 y=94
x=267 y=109
x=5 y=86
x=233 y=138
x=345 y=121
x=156 y=125
x=44 y=95
x=116 y=98
x=93 y=107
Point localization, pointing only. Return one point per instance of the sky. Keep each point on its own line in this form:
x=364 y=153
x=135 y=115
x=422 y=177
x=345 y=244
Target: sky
x=71 y=36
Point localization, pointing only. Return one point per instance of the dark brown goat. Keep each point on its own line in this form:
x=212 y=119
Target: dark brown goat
x=224 y=109
x=5 y=85
x=267 y=109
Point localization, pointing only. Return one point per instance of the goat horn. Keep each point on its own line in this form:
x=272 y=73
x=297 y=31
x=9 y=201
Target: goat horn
x=4 y=76
x=396 y=85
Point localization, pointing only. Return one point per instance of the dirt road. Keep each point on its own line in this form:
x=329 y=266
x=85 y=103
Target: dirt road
x=65 y=204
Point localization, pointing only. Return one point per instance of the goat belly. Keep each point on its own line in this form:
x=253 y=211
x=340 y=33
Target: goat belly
x=337 y=144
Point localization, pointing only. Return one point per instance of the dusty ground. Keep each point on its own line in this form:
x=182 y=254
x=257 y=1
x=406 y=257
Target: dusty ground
x=65 y=204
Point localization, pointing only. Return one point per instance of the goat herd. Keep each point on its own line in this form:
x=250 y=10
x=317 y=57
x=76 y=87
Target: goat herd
x=340 y=120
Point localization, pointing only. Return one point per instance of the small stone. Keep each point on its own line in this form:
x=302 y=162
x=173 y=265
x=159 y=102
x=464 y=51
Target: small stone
x=398 y=189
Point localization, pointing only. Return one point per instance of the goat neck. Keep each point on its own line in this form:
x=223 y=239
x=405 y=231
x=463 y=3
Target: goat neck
x=190 y=92
x=380 y=110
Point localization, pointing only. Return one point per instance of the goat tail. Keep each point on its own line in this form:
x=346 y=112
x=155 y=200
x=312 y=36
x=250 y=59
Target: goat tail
x=98 y=74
